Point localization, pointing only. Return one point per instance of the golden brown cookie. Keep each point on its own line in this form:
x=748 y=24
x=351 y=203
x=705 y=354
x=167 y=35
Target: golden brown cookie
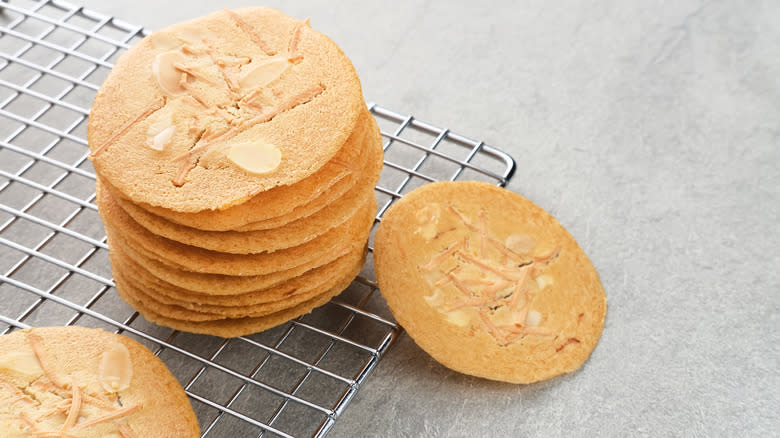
x=277 y=299
x=205 y=114
x=214 y=284
x=284 y=204
x=251 y=242
x=488 y=283
x=231 y=327
x=80 y=382
x=160 y=290
x=352 y=232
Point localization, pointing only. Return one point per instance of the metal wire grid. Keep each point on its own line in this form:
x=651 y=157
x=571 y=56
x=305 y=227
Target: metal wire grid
x=293 y=380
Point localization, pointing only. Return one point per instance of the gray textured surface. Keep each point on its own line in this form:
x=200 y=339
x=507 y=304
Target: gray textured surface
x=652 y=131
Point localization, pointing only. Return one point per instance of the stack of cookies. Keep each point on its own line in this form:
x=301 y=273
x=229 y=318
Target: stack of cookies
x=236 y=163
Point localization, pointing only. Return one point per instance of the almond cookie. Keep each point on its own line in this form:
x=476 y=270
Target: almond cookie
x=80 y=382
x=284 y=204
x=161 y=290
x=215 y=284
x=231 y=327
x=207 y=113
x=353 y=232
x=277 y=299
x=488 y=283
x=250 y=242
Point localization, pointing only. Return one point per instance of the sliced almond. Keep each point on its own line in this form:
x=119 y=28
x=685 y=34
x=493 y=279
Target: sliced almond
x=116 y=368
x=460 y=317
x=256 y=157
x=435 y=300
x=21 y=363
x=262 y=73
x=520 y=243
x=427 y=231
x=533 y=318
x=160 y=140
x=167 y=75
x=544 y=280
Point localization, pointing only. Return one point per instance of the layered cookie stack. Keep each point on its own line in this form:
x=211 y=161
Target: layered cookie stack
x=236 y=163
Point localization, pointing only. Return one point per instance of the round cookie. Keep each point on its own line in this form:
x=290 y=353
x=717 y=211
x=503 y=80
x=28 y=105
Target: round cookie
x=252 y=242
x=194 y=259
x=488 y=283
x=160 y=290
x=215 y=284
x=276 y=302
x=205 y=114
x=284 y=204
x=375 y=158
x=230 y=327
x=80 y=382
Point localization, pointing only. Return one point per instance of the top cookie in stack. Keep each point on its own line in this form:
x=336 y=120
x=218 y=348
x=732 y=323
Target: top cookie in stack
x=236 y=162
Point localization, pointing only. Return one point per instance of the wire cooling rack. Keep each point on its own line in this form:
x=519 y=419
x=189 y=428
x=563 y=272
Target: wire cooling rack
x=293 y=380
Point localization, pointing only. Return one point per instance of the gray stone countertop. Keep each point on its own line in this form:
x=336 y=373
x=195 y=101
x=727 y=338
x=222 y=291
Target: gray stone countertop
x=651 y=130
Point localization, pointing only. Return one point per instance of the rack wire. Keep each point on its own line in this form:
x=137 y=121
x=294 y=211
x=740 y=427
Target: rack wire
x=293 y=380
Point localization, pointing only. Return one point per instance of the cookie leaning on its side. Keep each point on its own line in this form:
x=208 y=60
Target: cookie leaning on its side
x=488 y=283
x=75 y=381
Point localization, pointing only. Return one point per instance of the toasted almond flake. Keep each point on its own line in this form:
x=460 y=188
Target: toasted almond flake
x=119 y=413
x=463 y=219
x=256 y=157
x=483 y=234
x=32 y=424
x=520 y=243
x=439 y=258
x=492 y=329
x=43 y=359
x=504 y=251
x=115 y=370
x=244 y=26
x=478 y=282
x=494 y=269
x=86 y=398
x=292 y=47
x=160 y=140
x=533 y=318
x=435 y=300
x=194 y=71
x=126 y=432
x=149 y=110
x=470 y=302
x=263 y=72
x=62 y=408
x=166 y=74
x=55 y=434
x=546 y=257
x=460 y=318
x=190 y=50
x=520 y=291
x=18 y=393
x=21 y=362
x=75 y=407
x=196 y=94
x=544 y=280
x=460 y=286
